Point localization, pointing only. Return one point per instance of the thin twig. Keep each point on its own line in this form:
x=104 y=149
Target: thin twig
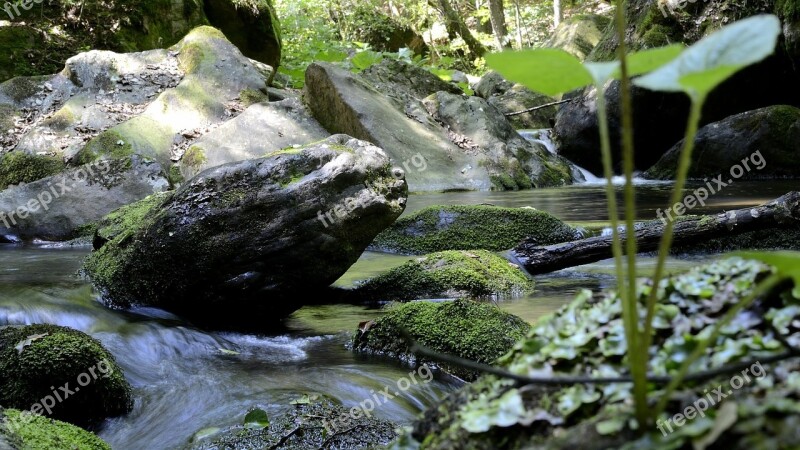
x=535 y=108
x=286 y=438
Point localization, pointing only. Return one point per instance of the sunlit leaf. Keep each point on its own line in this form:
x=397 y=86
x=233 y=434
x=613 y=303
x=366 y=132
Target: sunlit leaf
x=710 y=61
x=256 y=419
x=365 y=59
x=651 y=59
x=546 y=70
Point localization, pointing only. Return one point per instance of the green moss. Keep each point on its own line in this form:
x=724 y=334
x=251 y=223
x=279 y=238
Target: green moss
x=467 y=329
x=52 y=356
x=439 y=228
x=108 y=143
x=194 y=157
x=251 y=97
x=788 y=9
x=36 y=432
x=476 y=273
x=20 y=167
x=175 y=176
x=61 y=120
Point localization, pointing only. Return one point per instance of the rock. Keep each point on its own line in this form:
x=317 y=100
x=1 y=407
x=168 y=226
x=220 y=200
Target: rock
x=39 y=360
x=23 y=431
x=450 y=274
x=59 y=207
x=586 y=338
x=382 y=32
x=26 y=50
x=314 y=422
x=439 y=228
x=579 y=34
x=405 y=82
x=660 y=119
x=767 y=140
x=510 y=98
x=513 y=162
x=442 y=159
x=463 y=328
x=250 y=234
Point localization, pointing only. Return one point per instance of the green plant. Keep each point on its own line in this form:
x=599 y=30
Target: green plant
x=695 y=71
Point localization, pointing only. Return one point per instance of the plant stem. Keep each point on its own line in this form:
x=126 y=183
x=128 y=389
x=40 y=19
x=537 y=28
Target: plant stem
x=637 y=355
x=666 y=239
x=763 y=288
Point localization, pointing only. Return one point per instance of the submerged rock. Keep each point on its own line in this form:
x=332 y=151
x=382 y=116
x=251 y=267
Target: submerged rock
x=22 y=431
x=450 y=274
x=312 y=422
x=61 y=373
x=467 y=329
x=250 y=235
x=439 y=228
x=586 y=338
x=764 y=143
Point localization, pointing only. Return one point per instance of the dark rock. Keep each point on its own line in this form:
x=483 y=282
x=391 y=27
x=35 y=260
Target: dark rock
x=511 y=98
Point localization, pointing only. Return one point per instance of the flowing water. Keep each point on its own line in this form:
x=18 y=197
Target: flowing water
x=185 y=379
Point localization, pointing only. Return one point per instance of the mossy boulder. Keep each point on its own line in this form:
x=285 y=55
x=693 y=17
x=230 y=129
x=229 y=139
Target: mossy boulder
x=37 y=360
x=579 y=34
x=24 y=431
x=20 y=167
x=449 y=274
x=439 y=228
x=312 y=422
x=382 y=32
x=464 y=328
x=586 y=338
x=764 y=143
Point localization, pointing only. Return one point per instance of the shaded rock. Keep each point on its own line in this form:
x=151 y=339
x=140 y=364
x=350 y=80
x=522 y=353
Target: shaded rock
x=512 y=161
x=510 y=98
x=24 y=431
x=767 y=139
x=586 y=338
x=660 y=119
x=59 y=207
x=250 y=234
x=405 y=82
x=314 y=422
x=450 y=274
x=463 y=328
x=579 y=34
x=439 y=228
x=37 y=357
x=382 y=32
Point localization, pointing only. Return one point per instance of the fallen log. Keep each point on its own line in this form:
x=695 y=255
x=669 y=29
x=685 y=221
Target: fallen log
x=688 y=230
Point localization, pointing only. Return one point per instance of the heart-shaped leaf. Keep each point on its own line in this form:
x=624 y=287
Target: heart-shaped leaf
x=256 y=419
x=547 y=70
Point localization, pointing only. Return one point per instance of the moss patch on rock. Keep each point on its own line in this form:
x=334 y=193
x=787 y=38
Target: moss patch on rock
x=586 y=338
x=464 y=328
x=20 y=167
x=27 y=431
x=439 y=228
x=36 y=357
x=109 y=143
x=476 y=273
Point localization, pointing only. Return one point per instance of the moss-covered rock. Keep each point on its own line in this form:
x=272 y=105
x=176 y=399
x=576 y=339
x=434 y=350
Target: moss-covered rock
x=586 y=338
x=439 y=228
x=451 y=274
x=37 y=360
x=19 y=167
x=312 y=422
x=464 y=328
x=579 y=34
x=25 y=431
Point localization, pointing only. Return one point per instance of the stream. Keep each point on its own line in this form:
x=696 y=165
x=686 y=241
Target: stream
x=185 y=379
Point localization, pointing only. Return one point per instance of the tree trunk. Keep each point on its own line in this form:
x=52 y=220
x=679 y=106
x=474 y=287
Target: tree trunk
x=456 y=26
x=688 y=230
x=558 y=14
x=518 y=20
x=497 y=15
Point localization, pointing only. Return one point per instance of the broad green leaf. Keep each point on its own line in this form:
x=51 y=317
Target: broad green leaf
x=786 y=263
x=256 y=419
x=707 y=63
x=546 y=70
x=651 y=59
x=365 y=59
x=602 y=71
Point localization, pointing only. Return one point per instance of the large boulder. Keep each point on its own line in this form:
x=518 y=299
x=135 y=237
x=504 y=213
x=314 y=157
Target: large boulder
x=60 y=373
x=511 y=98
x=21 y=430
x=61 y=206
x=435 y=156
x=659 y=118
x=382 y=32
x=767 y=139
x=579 y=34
x=38 y=40
x=250 y=234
